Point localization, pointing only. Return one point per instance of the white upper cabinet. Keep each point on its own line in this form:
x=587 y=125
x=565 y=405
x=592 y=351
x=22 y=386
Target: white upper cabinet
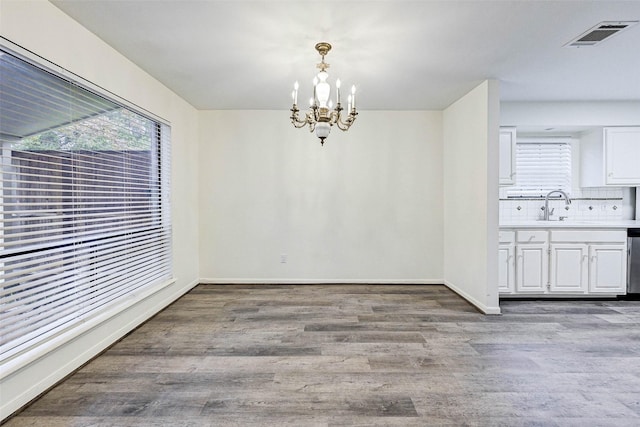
x=610 y=156
x=507 y=156
x=622 y=153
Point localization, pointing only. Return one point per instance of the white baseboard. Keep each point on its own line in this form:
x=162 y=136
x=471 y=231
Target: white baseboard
x=479 y=305
x=263 y=281
x=40 y=373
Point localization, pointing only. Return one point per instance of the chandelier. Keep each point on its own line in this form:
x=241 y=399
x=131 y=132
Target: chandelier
x=322 y=115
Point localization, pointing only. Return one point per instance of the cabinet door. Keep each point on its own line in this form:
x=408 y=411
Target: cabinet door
x=622 y=153
x=506 y=269
x=569 y=268
x=608 y=268
x=532 y=268
x=507 y=156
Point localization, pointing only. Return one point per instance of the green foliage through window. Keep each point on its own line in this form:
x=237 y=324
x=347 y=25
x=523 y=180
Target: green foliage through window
x=119 y=129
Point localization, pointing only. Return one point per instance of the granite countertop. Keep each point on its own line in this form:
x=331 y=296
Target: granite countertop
x=572 y=224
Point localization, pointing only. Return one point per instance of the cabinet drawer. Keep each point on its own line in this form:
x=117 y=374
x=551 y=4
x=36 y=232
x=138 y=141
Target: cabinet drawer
x=531 y=236
x=506 y=236
x=589 y=236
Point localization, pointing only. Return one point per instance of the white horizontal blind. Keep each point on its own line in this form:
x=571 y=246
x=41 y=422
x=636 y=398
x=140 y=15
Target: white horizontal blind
x=84 y=203
x=540 y=168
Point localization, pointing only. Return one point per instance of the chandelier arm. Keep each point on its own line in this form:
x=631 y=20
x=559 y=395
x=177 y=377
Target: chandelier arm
x=345 y=125
x=298 y=123
x=342 y=126
x=334 y=117
x=295 y=119
x=310 y=118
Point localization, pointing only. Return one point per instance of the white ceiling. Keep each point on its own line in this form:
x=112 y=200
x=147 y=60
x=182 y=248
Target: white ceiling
x=402 y=55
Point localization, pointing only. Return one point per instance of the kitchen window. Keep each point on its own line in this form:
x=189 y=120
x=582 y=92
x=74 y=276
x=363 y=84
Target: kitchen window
x=542 y=165
x=84 y=205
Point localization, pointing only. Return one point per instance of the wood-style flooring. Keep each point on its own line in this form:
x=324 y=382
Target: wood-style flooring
x=359 y=355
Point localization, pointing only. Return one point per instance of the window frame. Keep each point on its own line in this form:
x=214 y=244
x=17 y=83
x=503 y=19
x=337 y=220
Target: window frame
x=516 y=192
x=23 y=354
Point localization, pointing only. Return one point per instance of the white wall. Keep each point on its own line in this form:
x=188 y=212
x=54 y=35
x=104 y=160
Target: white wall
x=366 y=207
x=43 y=29
x=471 y=127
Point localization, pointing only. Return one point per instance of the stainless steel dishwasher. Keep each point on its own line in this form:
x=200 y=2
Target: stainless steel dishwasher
x=633 y=266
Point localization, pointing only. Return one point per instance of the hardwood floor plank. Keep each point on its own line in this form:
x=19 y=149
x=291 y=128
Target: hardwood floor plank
x=317 y=404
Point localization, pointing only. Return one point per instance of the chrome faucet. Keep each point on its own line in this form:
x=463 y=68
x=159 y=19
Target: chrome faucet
x=547 y=214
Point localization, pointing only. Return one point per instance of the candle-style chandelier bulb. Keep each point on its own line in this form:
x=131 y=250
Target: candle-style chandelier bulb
x=322 y=115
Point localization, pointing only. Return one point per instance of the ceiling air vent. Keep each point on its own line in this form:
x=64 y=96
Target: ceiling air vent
x=599 y=33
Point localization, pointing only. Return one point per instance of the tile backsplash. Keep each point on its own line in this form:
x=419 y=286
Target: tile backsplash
x=587 y=204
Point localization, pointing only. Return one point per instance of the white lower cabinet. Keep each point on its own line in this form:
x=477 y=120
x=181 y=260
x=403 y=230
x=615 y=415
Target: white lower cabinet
x=569 y=268
x=532 y=261
x=506 y=271
x=562 y=262
x=506 y=262
x=531 y=268
x=608 y=268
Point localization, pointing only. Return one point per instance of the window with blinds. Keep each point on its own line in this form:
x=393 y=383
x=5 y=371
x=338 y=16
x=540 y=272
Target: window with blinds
x=541 y=167
x=85 y=218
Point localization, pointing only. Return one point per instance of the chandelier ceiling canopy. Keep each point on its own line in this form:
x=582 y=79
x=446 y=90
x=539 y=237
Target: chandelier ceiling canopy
x=322 y=114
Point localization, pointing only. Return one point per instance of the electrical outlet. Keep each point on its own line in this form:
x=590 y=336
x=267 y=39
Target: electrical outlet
x=283 y=258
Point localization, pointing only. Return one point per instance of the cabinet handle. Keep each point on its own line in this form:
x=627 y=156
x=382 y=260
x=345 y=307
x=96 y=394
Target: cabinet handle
x=585 y=257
